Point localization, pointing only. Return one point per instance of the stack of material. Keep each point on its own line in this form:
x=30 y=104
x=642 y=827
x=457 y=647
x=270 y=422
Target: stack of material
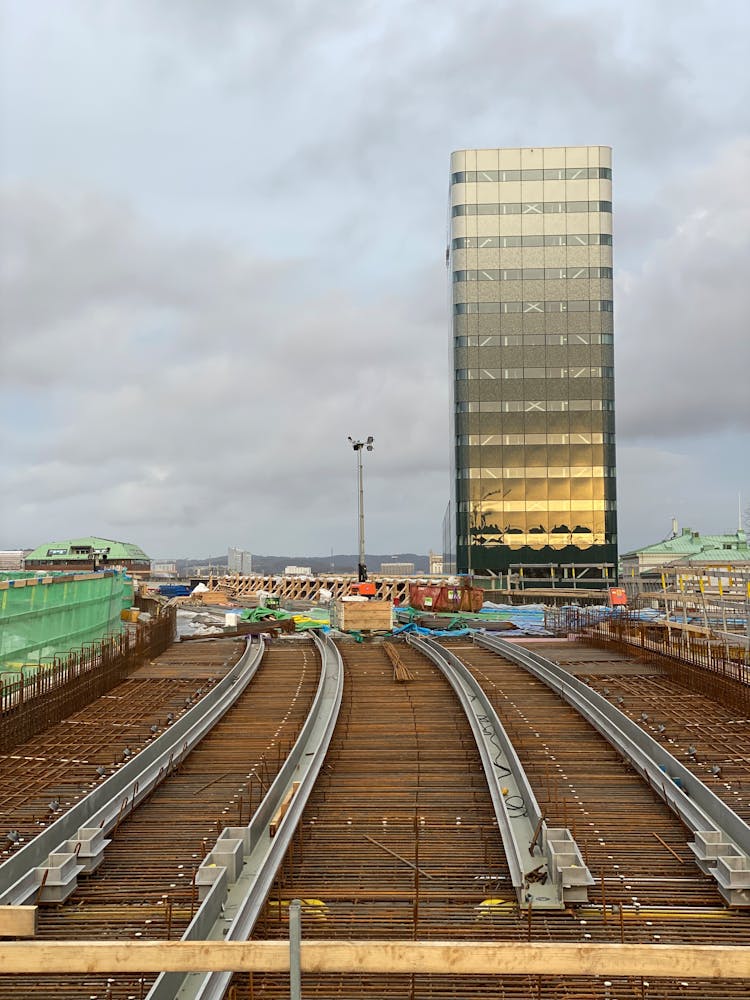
x=362 y=616
x=215 y=597
x=400 y=671
x=279 y=617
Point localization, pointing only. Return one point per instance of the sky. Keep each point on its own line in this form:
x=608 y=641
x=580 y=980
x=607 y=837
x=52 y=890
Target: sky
x=222 y=252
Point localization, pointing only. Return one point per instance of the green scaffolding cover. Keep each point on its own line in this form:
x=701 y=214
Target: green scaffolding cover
x=44 y=617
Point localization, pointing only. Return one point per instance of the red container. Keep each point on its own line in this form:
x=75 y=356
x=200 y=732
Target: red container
x=446 y=598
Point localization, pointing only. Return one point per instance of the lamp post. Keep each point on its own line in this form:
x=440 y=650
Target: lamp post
x=358 y=446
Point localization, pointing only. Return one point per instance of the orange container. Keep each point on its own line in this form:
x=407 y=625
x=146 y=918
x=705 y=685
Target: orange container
x=445 y=598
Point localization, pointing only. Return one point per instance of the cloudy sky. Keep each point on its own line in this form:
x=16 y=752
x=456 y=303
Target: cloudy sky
x=222 y=251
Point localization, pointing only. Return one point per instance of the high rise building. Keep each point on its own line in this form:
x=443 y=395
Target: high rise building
x=533 y=434
x=239 y=561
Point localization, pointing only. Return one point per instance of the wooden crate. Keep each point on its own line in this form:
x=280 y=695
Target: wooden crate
x=362 y=616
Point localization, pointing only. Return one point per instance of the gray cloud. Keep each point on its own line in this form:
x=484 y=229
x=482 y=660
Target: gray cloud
x=221 y=240
x=192 y=385
x=683 y=351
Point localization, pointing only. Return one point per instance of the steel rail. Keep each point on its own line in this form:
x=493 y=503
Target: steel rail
x=546 y=866
x=47 y=868
x=722 y=838
x=236 y=876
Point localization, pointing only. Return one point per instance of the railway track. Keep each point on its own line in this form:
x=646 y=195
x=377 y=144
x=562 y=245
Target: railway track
x=394 y=810
x=399 y=838
x=145 y=887
x=711 y=739
x=63 y=764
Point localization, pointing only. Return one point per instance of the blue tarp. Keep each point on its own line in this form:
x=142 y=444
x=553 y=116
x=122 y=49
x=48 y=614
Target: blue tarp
x=174 y=590
x=527 y=618
x=432 y=632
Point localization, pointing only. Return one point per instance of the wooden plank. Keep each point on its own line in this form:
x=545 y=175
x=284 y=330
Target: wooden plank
x=456 y=958
x=281 y=811
x=17 y=921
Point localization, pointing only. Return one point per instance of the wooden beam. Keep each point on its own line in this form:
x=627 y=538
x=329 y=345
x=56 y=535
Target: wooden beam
x=17 y=921
x=454 y=958
x=281 y=811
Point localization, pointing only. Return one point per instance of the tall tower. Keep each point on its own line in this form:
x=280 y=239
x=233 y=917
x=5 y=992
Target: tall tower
x=533 y=435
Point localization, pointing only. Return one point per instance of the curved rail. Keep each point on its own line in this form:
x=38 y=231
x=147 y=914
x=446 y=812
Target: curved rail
x=47 y=868
x=722 y=838
x=236 y=876
x=546 y=866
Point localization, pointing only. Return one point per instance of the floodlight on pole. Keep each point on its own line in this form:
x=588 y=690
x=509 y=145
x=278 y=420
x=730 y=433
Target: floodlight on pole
x=358 y=446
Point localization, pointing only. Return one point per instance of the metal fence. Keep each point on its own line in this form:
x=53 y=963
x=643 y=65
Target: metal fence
x=30 y=704
x=711 y=666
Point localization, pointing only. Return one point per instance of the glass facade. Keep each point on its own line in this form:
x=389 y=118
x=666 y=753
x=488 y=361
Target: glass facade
x=533 y=435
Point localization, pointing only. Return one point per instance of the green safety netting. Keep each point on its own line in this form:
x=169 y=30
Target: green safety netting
x=44 y=617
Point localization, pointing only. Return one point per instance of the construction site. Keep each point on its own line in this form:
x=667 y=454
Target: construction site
x=386 y=812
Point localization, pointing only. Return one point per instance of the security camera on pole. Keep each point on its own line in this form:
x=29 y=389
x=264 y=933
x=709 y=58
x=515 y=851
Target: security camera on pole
x=358 y=446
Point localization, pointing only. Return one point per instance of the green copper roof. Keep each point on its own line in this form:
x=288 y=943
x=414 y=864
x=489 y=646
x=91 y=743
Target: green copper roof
x=692 y=546
x=80 y=549
x=737 y=554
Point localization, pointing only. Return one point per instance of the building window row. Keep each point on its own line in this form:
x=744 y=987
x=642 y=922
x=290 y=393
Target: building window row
x=546 y=174
x=593 y=371
x=517 y=439
x=549 y=240
x=535 y=406
x=532 y=273
x=543 y=306
x=513 y=506
x=561 y=535
x=541 y=472
x=512 y=536
x=535 y=340
x=531 y=207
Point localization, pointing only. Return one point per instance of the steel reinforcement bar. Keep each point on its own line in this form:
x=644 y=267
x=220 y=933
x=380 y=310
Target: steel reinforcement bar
x=31 y=704
x=236 y=876
x=722 y=838
x=546 y=866
x=47 y=868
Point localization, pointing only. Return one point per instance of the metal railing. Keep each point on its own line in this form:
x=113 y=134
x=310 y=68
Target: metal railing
x=29 y=704
x=712 y=666
x=546 y=866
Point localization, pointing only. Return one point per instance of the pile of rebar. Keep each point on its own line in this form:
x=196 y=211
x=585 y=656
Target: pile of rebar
x=400 y=671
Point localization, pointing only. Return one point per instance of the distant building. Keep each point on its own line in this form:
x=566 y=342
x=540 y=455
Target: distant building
x=397 y=568
x=239 y=561
x=436 y=563
x=83 y=554
x=163 y=567
x=298 y=571
x=11 y=559
x=689 y=548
